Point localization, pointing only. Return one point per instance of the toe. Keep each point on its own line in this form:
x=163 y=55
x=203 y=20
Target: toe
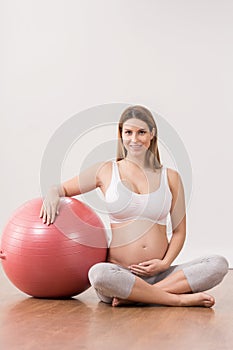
x=115 y=302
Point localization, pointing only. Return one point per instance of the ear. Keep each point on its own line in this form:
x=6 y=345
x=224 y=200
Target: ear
x=152 y=133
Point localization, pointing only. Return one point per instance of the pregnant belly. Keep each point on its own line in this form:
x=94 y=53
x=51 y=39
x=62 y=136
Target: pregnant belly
x=137 y=241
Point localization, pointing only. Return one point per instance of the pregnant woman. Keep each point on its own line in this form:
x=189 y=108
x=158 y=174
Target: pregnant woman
x=140 y=193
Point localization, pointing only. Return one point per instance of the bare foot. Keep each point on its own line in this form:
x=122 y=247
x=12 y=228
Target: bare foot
x=193 y=299
x=119 y=302
x=197 y=299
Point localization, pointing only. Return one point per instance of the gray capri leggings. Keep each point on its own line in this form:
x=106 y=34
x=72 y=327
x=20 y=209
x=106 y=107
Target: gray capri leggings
x=111 y=280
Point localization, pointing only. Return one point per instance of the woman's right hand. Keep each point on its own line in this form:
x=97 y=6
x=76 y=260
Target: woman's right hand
x=50 y=206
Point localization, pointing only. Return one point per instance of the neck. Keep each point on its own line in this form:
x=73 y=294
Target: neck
x=140 y=161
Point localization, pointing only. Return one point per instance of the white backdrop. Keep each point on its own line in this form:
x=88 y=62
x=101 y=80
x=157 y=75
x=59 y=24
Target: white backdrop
x=175 y=57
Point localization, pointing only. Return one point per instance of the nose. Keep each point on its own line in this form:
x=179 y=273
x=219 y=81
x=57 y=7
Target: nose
x=134 y=137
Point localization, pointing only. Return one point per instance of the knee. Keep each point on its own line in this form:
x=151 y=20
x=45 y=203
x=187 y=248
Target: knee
x=207 y=273
x=97 y=274
x=219 y=264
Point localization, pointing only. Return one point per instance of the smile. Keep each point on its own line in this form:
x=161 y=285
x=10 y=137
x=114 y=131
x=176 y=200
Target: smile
x=135 y=146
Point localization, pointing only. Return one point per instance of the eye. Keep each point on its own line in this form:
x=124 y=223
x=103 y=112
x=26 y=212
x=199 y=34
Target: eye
x=128 y=132
x=142 y=132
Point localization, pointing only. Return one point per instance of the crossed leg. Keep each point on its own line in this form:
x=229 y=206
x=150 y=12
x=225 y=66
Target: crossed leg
x=181 y=285
x=174 y=290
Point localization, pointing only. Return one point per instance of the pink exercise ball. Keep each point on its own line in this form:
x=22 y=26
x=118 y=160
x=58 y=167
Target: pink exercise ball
x=52 y=261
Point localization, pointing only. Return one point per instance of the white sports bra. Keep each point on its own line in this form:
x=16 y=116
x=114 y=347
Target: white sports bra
x=123 y=204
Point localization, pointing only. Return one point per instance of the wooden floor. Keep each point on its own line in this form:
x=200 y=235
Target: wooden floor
x=85 y=323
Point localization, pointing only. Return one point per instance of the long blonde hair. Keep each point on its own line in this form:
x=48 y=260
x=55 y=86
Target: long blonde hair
x=152 y=159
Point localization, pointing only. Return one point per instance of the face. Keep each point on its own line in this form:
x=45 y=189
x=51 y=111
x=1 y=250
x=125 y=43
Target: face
x=136 y=136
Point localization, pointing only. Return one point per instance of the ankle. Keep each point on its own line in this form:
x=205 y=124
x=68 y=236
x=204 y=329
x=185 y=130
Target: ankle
x=179 y=300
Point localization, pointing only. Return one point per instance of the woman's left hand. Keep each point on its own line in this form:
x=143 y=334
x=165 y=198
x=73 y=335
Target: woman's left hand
x=148 y=268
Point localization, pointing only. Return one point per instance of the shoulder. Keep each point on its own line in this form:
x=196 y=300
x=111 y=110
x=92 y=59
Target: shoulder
x=103 y=171
x=104 y=166
x=174 y=178
x=172 y=173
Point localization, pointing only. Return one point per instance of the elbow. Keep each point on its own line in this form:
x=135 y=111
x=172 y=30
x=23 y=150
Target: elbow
x=180 y=235
x=179 y=224
x=62 y=191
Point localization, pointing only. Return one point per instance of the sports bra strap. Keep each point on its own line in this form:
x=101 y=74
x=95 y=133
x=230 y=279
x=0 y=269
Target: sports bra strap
x=165 y=176
x=115 y=170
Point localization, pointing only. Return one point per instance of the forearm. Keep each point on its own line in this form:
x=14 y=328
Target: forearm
x=58 y=190
x=174 y=248
x=67 y=189
x=87 y=181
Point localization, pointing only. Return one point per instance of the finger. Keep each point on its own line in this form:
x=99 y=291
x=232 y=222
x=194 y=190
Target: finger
x=138 y=270
x=48 y=221
x=53 y=215
x=44 y=217
x=139 y=266
x=44 y=214
x=139 y=273
x=41 y=212
x=58 y=207
x=134 y=269
x=146 y=263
